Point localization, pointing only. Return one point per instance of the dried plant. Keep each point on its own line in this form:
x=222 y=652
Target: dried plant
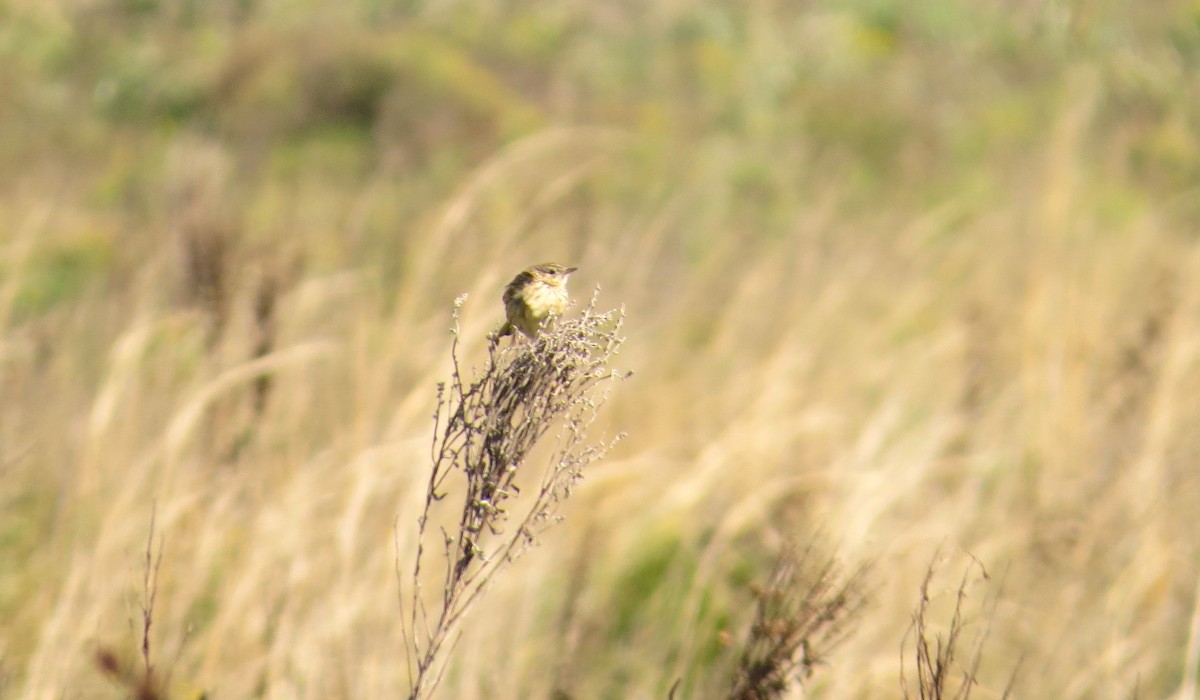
x=144 y=684
x=803 y=612
x=485 y=429
x=136 y=685
x=935 y=655
x=279 y=272
x=206 y=233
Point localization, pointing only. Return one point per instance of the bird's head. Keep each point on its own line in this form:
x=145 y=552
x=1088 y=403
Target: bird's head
x=552 y=273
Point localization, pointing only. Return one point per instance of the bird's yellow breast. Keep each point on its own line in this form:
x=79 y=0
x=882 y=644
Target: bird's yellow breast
x=534 y=304
x=546 y=300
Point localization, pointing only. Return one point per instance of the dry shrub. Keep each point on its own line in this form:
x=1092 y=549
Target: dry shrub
x=144 y=683
x=941 y=673
x=205 y=230
x=277 y=276
x=485 y=430
x=803 y=612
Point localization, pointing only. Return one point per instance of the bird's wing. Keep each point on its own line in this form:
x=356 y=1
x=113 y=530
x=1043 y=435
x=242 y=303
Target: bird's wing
x=513 y=287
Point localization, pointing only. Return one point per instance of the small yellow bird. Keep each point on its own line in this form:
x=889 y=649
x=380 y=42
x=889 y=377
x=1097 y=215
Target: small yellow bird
x=535 y=296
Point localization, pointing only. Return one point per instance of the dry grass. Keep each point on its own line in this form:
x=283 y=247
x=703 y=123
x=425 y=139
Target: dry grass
x=919 y=276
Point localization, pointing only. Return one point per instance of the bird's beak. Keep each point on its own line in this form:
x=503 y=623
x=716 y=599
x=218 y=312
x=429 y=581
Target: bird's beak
x=569 y=270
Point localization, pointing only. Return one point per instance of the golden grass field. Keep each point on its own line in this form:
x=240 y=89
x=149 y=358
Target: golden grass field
x=917 y=281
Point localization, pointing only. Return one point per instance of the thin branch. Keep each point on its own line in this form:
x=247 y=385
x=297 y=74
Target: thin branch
x=150 y=589
x=936 y=656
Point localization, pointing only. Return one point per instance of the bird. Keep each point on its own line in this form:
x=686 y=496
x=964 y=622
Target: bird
x=536 y=295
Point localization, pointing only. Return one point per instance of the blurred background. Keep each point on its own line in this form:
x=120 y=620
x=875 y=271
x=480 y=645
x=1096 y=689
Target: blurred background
x=918 y=279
